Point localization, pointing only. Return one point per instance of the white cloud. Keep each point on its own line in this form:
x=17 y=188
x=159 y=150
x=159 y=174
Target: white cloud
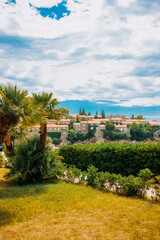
x=100 y=51
x=145 y=102
x=45 y=3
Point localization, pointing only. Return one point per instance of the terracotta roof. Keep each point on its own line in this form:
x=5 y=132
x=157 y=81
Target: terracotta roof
x=120 y=126
x=95 y=121
x=154 y=123
x=76 y=124
x=56 y=126
x=136 y=120
x=116 y=119
x=102 y=126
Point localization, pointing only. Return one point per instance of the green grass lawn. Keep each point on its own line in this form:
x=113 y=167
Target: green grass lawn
x=67 y=211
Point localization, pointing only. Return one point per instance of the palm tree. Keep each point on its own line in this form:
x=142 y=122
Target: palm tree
x=49 y=112
x=18 y=132
x=16 y=107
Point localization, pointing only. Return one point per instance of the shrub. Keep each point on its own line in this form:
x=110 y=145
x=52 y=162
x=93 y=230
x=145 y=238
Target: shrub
x=145 y=174
x=1 y=160
x=56 y=141
x=92 y=176
x=119 y=158
x=127 y=186
x=73 y=174
x=75 y=135
x=54 y=135
x=29 y=165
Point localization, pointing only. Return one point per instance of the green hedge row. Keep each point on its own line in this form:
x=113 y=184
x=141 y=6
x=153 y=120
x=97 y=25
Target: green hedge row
x=123 y=158
x=54 y=135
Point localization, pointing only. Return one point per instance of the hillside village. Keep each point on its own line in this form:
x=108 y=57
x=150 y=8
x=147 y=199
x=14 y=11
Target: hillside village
x=84 y=123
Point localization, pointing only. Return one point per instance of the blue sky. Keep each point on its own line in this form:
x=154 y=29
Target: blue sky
x=105 y=50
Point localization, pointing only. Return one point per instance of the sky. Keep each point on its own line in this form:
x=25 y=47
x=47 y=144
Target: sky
x=95 y=50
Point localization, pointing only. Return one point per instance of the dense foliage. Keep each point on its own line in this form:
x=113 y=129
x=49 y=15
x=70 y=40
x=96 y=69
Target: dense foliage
x=128 y=186
x=75 y=135
x=30 y=165
x=113 y=134
x=54 y=134
x=1 y=160
x=56 y=141
x=123 y=158
x=140 y=132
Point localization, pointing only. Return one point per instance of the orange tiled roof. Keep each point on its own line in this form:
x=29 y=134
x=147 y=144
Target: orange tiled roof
x=76 y=124
x=154 y=123
x=120 y=126
x=56 y=126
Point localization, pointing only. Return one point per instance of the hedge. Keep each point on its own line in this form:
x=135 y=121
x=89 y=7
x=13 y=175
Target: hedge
x=123 y=158
x=54 y=135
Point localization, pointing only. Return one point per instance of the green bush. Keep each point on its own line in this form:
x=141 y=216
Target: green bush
x=127 y=186
x=92 y=176
x=56 y=141
x=29 y=165
x=1 y=160
x=75 y=135
x=54 y=135
x=145 y=174
x=119 y=158
x=140 y=132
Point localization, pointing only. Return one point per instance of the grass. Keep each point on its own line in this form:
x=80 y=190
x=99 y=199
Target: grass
x=73 y=212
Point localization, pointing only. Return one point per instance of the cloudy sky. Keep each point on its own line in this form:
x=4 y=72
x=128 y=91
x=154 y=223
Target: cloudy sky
x=83 y=49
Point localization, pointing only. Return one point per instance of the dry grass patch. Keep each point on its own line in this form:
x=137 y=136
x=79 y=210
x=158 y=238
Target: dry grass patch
x=66 y=211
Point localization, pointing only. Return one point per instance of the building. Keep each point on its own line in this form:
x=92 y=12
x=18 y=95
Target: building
x=137 y=121
x=57 y=128
x=122 y=128
x=82 y=126
x=154 y=123
x=64 y=122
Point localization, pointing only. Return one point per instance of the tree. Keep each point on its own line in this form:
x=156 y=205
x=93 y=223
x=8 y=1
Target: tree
x=29 y=165
x=96 y=116
x=132 y=117
x=110 y=126
x=139 y=117
x=18 y=132
x=103 y=114
x=83 y=112
x=49 y=112
x=77 y=119
x=16 y=107
x=80 y=111
x=140 y=132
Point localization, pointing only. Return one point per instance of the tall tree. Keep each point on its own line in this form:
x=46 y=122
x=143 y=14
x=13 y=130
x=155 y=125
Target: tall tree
x=83 y=112
x=16 y=107
x=80 y=111
x=103 y=114
x=49 y=112
x=96 y=116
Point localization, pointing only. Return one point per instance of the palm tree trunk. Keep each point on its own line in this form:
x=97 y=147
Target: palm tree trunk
x=5 y=125
x=8 y=144
x=43 y=136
